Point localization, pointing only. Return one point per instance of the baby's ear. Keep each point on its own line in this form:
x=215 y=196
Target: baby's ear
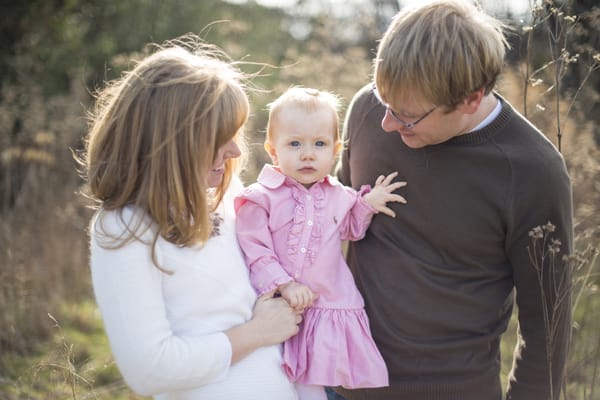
x=270 y=149
x=338 y=147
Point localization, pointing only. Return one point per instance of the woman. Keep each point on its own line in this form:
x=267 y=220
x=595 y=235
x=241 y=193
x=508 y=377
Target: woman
x=181 y=316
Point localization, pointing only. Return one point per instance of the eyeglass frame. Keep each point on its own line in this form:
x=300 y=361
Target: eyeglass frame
x=388 y=109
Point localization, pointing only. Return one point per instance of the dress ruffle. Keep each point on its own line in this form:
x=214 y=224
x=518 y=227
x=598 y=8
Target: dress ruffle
x=334 y=348
x=306 y=226
x=299 y=220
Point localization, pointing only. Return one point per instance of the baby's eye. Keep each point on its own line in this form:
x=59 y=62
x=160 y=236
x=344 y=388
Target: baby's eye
x=295 y=143
x=320 y=143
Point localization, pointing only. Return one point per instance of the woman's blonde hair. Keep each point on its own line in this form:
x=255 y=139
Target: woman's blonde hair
x=155 y=134
x=306 y=99
x=441 y=52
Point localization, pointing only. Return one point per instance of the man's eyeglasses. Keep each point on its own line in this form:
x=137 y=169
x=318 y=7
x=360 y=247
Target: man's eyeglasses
x=407 y=125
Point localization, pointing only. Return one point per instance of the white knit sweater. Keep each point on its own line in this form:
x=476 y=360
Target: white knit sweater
x=166 y=331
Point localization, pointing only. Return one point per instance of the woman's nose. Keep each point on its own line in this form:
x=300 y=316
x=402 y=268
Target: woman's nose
x=233 y=150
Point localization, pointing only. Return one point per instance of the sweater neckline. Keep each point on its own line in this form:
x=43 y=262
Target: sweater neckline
x=484 y=134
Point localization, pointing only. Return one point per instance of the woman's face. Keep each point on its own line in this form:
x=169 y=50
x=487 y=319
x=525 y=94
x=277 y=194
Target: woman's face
x=225 y=152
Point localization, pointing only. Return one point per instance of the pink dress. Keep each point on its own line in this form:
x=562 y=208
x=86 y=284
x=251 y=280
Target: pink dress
x=288 y=232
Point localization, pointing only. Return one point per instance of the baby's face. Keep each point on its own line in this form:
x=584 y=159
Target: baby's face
x=305 y=144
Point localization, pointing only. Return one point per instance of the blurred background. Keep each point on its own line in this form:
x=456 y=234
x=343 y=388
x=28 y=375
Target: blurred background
x=55 y=53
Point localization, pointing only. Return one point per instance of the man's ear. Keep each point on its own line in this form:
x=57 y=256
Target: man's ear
x=471 y=103
x=270 y=149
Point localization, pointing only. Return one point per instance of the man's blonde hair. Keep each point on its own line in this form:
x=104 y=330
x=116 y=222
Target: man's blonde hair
x=440 y=52
x=155 y=134
x=306 y=99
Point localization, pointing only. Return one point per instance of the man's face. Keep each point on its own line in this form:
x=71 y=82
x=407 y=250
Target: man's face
x=421 y=123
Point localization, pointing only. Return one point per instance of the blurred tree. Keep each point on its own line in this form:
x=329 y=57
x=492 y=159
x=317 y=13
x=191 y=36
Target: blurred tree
x=560 y=50
x=384 y=10
x=50 y=41
x=586 y=43
x=51 y=48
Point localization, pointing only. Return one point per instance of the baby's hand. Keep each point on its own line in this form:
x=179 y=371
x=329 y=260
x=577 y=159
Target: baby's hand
x=298 y=296
x=382 y=193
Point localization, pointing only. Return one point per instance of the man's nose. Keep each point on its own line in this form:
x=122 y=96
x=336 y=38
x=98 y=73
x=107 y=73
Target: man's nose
x=389 y=124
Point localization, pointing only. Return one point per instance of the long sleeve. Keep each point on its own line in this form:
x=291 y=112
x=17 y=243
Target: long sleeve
x=358 y=218
x=438 y=279
x=542 y=286
x=167 y=329
x=256 y=241
x=151 y=356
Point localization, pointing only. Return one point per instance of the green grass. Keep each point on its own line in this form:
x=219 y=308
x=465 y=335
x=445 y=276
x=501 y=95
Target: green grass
x=74 y=363
x=507 y=348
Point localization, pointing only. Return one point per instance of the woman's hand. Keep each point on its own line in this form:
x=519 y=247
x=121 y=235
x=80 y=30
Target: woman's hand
x=273 y=321
x=276 y=318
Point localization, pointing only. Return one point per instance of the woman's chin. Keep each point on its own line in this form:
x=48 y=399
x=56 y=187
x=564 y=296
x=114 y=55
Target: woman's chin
x=215 y=177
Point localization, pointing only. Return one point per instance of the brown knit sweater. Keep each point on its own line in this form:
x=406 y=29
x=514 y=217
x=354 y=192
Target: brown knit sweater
x=438 y=279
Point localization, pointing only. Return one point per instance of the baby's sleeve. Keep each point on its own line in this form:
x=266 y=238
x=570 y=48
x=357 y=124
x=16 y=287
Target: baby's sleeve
x=256 y=241
x=359 y=216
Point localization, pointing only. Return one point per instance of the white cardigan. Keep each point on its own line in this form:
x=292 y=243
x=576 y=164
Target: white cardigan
x=166 y=331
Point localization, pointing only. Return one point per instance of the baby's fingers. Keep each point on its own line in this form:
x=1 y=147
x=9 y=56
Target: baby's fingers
x=395 y=185
x=396 y=197
x=309 y=297
x=387 y=211
x=388 y=178
x=293 y=301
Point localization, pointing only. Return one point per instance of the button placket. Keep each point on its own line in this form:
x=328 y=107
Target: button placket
x=309 y=210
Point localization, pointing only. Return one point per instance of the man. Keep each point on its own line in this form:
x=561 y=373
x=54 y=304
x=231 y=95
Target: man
x=438 y=280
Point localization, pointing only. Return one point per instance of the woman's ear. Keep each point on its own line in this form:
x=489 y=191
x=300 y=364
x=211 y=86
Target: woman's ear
x=270 y=149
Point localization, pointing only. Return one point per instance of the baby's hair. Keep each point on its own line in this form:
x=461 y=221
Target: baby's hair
x=155 y=132
x=307 y=99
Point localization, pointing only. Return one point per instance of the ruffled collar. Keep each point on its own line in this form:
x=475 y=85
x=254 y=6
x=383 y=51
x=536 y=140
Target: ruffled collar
x=272 y=177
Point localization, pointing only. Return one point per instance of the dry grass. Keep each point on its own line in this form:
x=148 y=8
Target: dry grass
x=582 y=155
x=42 y=226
